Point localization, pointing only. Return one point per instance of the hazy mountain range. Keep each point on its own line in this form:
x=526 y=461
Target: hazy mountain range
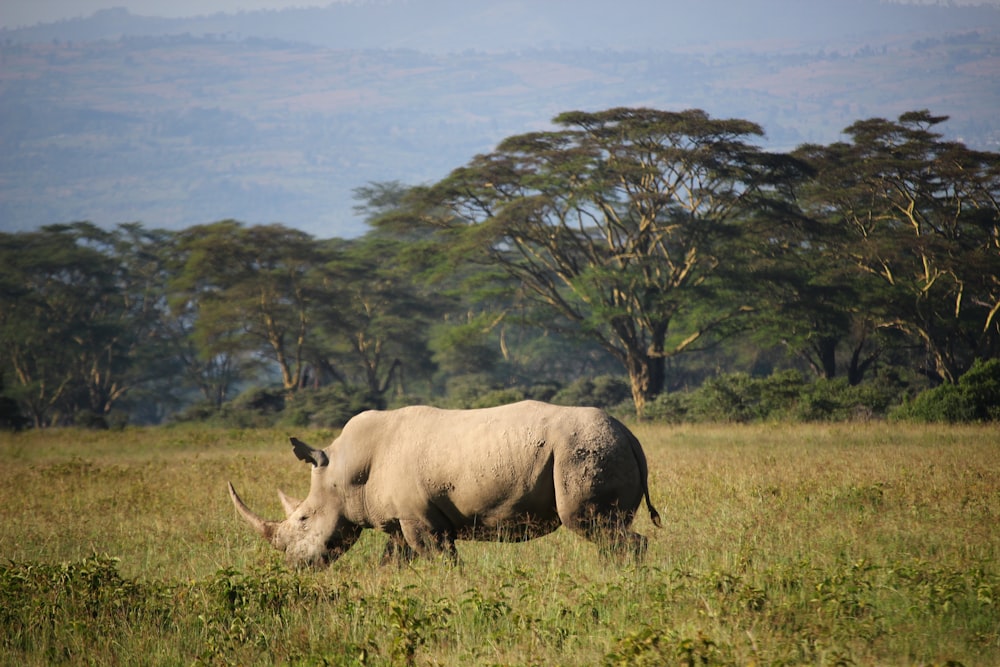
x=277 y=116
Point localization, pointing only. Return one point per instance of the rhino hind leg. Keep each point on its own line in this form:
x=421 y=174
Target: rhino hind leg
x=609 y=528
x=624 y=545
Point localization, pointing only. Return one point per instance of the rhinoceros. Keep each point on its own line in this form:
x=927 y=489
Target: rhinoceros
x=428 y=476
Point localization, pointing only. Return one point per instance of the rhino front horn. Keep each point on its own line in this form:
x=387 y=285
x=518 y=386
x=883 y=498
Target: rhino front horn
x=264 y=528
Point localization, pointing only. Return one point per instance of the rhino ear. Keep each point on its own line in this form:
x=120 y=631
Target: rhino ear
x=304 y=452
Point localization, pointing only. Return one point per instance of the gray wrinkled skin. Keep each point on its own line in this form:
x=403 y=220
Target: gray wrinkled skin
x=427 y=477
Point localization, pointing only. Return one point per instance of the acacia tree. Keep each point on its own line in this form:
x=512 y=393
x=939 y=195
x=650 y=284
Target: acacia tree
x=920 y=218
x=253 y=290
x=618 y=222
x=371 y=332
x=816 y=305
x=210 y=359
x=78 y=318
x=372 y=329
x=42 y=285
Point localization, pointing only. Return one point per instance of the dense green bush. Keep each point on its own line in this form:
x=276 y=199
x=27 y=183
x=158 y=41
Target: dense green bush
x=727 y=398
x=603 y=391
x=329 y=407
x=11 y=418
x=498 y=397
x=784 y=396
x=261 y=407
x=974 y=398
x=64 y=611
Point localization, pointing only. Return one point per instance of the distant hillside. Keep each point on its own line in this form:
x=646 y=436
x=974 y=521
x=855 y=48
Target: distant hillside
x=450 y=26
x=256 y=117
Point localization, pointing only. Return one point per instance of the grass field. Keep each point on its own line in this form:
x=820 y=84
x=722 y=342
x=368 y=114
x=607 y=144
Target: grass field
x=819 y=544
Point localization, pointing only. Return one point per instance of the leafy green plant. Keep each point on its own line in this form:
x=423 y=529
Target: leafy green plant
x=603 y=391
x=649 y=647
x=975 y=397
x=61 y=610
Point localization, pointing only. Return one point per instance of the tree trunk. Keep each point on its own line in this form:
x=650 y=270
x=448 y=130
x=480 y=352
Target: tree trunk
x=826 y=356
x=646 y=376
x=860 y=365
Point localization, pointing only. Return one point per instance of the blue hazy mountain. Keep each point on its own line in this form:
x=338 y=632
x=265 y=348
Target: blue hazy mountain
x=277 y=116
x=448 y=26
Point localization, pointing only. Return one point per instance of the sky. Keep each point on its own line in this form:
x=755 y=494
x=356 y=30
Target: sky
x=20 y=13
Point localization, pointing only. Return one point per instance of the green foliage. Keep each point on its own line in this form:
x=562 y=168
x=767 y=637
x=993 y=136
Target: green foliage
x=665 y=196
x=916 y=215
x=629 y=240
x=62 y=613
x=648 y=647
x=254 y=408
x=260 y=407
x=603 y=391
x=79 y=313
x=10 y=415
x=974 y=398
x=498 y=397
x=787 y=396
x=330 y=407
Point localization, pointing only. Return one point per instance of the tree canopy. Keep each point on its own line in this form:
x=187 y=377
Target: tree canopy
x=663 y=246
x=619 y=222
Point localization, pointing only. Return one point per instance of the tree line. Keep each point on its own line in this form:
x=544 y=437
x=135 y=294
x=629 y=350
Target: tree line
x=659 y=247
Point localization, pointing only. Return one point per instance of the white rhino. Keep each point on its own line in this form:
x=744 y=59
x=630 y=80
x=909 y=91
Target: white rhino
x=427 y=477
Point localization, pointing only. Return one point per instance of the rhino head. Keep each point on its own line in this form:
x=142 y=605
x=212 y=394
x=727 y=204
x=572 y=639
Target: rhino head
x=314 y=532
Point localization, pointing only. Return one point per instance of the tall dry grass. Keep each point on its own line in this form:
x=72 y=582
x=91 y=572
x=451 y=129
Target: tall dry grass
x=818 y=544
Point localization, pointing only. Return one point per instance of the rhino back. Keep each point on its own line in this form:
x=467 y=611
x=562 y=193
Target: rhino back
x=483 y=465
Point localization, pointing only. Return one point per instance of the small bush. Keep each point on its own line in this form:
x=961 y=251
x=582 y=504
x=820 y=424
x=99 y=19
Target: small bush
x=329 y=407
x=975 y=398
x=603 y=391
x=498 y=397
x=11 y=418
x=784 y=396
x=68 y=608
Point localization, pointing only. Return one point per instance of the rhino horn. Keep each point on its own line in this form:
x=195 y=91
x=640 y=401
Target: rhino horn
x=290 y=504
x=264 y=528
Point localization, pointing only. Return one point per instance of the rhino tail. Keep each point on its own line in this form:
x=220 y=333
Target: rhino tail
x=640 y=459
x=654 y=516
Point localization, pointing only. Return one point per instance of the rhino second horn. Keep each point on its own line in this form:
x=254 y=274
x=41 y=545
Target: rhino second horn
x=264 y=528
x=288 y=503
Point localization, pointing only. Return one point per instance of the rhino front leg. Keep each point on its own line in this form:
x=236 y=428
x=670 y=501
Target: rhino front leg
x=427 y=541
x=397 y=551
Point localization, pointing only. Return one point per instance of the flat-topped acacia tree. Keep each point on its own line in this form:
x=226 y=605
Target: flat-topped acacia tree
x=618 y=221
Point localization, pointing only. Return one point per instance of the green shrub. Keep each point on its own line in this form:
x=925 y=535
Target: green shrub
x=981 y=385
x=784 y=396
x=498 y=397
x=10 y=415
x=737 y=397
x=66 y=610
x=975 y=398
x=603 y=391
x=727 y=398
x=329 y=407
x=671 y=408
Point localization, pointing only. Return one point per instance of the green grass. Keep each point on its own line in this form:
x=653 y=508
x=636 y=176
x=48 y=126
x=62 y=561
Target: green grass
x=825 y=545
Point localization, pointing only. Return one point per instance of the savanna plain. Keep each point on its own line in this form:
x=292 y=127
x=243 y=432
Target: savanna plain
x=867 y=544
